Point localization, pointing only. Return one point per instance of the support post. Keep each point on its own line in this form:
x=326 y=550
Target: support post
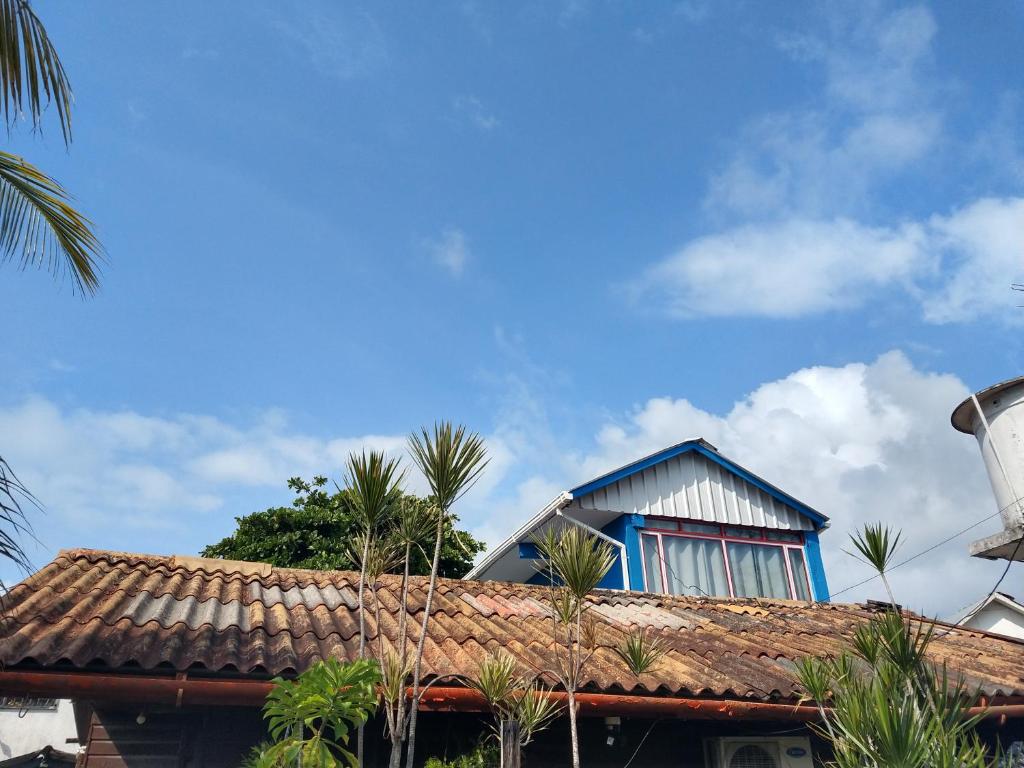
x=510 y=744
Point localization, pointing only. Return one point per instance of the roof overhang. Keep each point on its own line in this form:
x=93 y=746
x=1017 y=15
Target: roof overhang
x=504 y=563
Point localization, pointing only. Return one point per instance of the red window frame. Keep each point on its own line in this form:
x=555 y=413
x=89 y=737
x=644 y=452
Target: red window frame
x=657 y=528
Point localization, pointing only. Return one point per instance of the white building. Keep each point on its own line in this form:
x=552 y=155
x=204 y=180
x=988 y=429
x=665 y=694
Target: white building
x=29 y=725
x=997 y=613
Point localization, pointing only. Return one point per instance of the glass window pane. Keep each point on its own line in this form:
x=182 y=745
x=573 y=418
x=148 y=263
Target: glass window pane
x=662 y=525
x=743 y=533
x=758 y=570
x=782 y=536
x=652 y=564
x=695 y=566
x=714 y=530
x=796 y=562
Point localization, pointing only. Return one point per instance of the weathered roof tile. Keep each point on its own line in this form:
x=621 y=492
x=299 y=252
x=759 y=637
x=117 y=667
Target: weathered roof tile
x=123 y=609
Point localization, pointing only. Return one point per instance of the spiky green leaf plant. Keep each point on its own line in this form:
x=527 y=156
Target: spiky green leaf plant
x=883 y=703
x=641 y=650
x=512 y=698
x=375 y=482
x=452 y=460
x=574 y=562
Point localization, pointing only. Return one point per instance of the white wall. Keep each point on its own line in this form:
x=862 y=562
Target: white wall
x=998 y=618
x=37 y=729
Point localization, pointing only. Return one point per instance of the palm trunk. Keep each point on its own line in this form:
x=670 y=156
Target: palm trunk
x=572 y=729
x=398 y=732
x=414 y=704
x=362 y=633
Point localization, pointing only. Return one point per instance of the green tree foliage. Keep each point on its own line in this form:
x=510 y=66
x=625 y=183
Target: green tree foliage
x=310 y=719
x=882 y=702
x=317 y=531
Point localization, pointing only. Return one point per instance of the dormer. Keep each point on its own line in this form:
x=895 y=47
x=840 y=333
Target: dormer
x=687 y=521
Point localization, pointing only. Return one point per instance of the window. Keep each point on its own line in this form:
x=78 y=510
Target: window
x=724 y=561
x=32 y=703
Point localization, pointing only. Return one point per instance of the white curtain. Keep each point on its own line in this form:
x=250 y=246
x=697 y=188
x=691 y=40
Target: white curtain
x=695 y=567
x=757 y=570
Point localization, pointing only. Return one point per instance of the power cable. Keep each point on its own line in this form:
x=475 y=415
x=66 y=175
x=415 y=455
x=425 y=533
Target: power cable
x=919 y=554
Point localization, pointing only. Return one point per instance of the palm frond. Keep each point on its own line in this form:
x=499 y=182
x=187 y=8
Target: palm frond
x=13 y=522
x=376 y=483
x=450 y=459
x=40 y=227
x=578 y=559
x=31 y=73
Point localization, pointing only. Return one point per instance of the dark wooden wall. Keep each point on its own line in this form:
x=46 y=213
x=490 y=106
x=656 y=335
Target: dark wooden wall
x=220 y=737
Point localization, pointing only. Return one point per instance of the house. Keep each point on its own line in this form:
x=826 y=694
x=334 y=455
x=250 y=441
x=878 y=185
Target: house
x=683 y=521
x=168 y=660
x=998 y=613
x=34 y=726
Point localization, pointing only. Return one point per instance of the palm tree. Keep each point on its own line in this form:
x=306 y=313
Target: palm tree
x=38 y=224
x=574 y=563
x=413 y=528
x=376 y=485
x=451 y=460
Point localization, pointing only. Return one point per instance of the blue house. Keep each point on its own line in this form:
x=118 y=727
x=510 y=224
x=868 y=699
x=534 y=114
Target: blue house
x=684 y=521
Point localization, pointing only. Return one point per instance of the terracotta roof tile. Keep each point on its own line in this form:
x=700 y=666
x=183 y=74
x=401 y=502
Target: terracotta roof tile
x=121 y=609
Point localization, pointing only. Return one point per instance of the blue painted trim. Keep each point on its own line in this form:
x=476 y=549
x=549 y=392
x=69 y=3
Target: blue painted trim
x=694 y=445
x=528 y=551
x=634 y=557
x=815 y=566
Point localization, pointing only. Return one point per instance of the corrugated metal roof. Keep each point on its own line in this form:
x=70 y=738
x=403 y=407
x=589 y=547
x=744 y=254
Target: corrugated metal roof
x=689 y=485
x=116 y=610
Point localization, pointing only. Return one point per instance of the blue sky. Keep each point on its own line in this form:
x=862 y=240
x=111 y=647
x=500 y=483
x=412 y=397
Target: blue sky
x=586 y=229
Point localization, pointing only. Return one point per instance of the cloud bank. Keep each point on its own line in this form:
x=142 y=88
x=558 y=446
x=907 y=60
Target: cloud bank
x=861 y=442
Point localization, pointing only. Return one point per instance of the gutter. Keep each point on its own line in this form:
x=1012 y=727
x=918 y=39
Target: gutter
x=180 y=690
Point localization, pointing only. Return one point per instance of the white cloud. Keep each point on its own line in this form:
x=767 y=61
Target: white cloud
x=984 y=246
x=339 y=41
x=471 y=109
x=861 y=443
x=959 y=267
x=451 y=250
x=794 y=202
x=786 y=269
x=873 y=118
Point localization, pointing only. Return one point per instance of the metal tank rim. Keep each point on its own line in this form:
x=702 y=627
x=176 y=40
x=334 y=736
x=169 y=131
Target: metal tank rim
x=963 y=414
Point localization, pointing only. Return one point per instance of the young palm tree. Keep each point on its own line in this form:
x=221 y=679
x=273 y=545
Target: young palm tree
x=888 y=705
x=574 y=562
x=375 y=482
x=38 y=224
x=413 y=528
x=451 y=460
x=512 y=700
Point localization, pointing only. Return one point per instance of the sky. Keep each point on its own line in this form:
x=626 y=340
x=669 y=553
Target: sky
x=587 y=230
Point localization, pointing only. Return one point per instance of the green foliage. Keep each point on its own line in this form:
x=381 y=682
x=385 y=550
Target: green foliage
x=485 y=754
x=640 y=651
x=883 y=703
x=450 y=459
x=877 y=544
x=576 y=559
x=38 y=223
x=317 y=532
x=309 y=719
x=511 y=697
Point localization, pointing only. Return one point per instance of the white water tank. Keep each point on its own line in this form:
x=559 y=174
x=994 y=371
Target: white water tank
x=999 y=429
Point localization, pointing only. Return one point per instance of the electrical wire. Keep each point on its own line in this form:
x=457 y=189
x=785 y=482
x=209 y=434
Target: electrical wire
x=919 y=554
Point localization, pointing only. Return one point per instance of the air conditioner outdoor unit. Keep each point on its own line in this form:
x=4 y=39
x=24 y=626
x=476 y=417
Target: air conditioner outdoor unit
x=759 y=752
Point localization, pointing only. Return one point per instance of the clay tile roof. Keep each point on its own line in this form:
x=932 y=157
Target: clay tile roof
x=119 y=610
